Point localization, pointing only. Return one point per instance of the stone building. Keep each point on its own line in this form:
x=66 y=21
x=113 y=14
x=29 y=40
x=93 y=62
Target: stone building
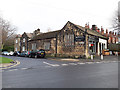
x=17 y=46
x=72 y=40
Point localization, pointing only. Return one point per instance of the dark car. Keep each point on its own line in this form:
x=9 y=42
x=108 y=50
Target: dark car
x=16 y=53
x=22 y=54
x=27 y=53
x=36 y=54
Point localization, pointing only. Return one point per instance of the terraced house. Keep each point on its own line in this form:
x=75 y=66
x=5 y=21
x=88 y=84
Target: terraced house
x=71 y=41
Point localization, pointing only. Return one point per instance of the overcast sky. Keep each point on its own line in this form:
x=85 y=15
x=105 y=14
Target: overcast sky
x=28 y=15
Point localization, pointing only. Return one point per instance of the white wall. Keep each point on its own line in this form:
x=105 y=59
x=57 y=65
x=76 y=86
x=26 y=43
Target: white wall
x=103 y=41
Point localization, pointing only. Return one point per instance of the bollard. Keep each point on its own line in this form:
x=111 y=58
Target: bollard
x=91 y=57
x=101 y=57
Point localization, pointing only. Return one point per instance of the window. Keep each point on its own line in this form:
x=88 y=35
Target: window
x=16 y=49
x=16 y=41
x=47 y=45
x=23 y=48
x=69 y=40
x=119 y=39
x=23 y=39
x=34 y=46
x=19 y=44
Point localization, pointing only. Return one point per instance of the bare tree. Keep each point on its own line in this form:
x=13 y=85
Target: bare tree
x=6 y=32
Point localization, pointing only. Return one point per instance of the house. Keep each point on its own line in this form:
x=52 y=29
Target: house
x=21 y=41
x=17 y=46
x=72 y=40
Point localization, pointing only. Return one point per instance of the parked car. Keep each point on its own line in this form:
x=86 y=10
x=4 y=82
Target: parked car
x=27 y=53
x=10 y=53
x=23 y=54
x=16 y=53
x=36 y=54
x=5 y=53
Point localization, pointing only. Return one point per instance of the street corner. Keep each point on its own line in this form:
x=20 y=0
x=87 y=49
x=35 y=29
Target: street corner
x=9 y=65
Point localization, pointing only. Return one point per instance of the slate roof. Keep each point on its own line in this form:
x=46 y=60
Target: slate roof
x=91 y=32
x=47 y=35
x=30 y=35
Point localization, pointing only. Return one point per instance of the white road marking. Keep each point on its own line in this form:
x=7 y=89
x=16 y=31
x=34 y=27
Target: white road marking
x=90 y=62
x=81 y=63
x=97 y=62
x=54 y=65
x=24 y=68
x=72 y=63
x=13 y=70
x=64 y=64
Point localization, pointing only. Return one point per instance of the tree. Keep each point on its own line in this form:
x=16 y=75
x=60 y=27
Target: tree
x=7 y=31
x=116 y=22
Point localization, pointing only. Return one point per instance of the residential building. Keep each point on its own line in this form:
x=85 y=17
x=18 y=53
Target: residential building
x=17 y=45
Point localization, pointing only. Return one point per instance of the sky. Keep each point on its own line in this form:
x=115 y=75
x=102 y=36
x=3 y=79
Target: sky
x=29 y=15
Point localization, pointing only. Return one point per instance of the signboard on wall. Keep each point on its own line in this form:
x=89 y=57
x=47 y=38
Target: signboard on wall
x=79 y=38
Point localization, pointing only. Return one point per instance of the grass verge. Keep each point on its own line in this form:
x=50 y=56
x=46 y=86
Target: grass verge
x=5 y=60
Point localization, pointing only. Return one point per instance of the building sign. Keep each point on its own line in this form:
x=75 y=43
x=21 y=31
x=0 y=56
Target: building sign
x=94 y=39
x=79 y=38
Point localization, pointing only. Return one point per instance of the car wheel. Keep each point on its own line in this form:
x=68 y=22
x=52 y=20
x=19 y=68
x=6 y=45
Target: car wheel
x=35 y=56
x=30 y=56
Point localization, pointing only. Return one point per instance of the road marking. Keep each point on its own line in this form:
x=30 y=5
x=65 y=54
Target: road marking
x=89 y=62
x=54 y=65
x=81 y=63
x=64 y=64
x=13 y=70
x=24 y=68
x=97 y=62
x=72 y=63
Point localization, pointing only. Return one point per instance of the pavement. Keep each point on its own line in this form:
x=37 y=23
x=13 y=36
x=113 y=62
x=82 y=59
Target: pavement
x=9 y=65
x=96 y=59
x=45 y=73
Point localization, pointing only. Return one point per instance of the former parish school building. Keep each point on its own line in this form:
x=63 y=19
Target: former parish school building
x=72 y=40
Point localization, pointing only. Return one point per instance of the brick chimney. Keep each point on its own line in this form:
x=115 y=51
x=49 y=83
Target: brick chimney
x=98 y=30
x=87 y=26
x=94 y=27
x=102 y=31
x=36 y=32
x=112 y=33
x=106 y=33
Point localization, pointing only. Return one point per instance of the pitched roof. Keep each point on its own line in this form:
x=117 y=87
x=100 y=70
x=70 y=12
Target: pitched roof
x=30 y=35
x=53 y=34
x=89 y=31
x=18 y=36
x=47 y=35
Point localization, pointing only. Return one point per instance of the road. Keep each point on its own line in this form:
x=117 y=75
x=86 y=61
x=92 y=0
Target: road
x=43 y=73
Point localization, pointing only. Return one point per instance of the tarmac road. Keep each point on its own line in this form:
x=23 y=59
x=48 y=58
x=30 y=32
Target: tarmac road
x=43 y=73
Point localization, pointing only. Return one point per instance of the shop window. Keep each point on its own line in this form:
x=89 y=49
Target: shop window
x=47 y=45
x=69 y=40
